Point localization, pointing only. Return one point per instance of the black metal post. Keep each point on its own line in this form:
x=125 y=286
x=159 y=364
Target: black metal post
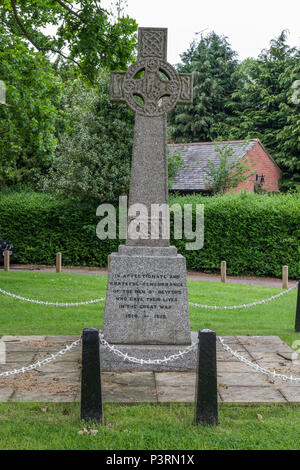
x=91 y=394
x=297 y=322
x=206 y=412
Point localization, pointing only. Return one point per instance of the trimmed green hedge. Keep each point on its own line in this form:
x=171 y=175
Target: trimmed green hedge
x=255 y=234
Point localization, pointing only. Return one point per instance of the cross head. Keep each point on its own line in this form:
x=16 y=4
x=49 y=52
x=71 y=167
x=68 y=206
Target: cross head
x=151 y=86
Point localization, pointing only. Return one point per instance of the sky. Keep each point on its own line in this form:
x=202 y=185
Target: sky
x=249 y=25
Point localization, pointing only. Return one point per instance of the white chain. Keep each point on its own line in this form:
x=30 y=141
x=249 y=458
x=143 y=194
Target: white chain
x=257 y=367
x=125 y=356
x=39 y=364
x=111 y=348
x=253 y=304
x=88 y=302
x=135 y=360
x=55 y=304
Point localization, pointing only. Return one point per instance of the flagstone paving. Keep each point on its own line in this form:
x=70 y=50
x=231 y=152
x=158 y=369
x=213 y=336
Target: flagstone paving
x=59 y=381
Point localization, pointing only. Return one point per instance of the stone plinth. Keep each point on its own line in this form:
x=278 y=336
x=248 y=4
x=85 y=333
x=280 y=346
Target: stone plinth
x=112 y=363
x=147 y=298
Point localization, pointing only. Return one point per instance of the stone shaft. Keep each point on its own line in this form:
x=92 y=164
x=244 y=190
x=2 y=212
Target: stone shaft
x=149 y=173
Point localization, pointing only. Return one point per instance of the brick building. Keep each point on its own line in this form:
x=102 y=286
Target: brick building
x=191 y=177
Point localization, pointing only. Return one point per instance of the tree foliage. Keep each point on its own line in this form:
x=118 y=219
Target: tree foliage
x=258 y=98
x=264 y=105
x=28 y=119
x=86 y=34
x=175 y=161
x=94 y=144
x=228 y=173
x=87 y=40
x=94 y=148
x=212 y=62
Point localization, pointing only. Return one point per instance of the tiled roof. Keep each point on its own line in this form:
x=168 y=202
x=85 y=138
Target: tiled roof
x=190 y=176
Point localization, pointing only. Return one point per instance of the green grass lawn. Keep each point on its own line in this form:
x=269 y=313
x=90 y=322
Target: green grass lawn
x=27 y=426
x=159 y=427
x=22 y=318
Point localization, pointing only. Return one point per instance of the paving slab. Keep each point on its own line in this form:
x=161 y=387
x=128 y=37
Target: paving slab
x=175 y=386
x=237 y=394
x=62 y=339
x=223 y=356
x=231 y=367
x=266 y=348
x=271 y=357
x=255 y=340
x=6 y=394
x=71 y=356
x=244 y=379
x=290 y=392
x=60 y=367
x=42 y=397
x=60 y=380
x=17 y=357
x=33 y=346
x=234 y=346
x=21 y=339
x=129 y=387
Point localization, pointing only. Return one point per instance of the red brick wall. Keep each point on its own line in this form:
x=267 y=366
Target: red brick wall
x=263 y=166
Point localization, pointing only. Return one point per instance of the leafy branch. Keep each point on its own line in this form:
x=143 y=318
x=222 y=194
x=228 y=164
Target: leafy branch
x=228 y=172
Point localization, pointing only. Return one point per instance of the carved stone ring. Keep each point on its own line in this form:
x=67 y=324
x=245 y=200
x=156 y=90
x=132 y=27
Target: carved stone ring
x=151 y=87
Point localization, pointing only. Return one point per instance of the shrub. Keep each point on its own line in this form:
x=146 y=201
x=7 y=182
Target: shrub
x=255 y=234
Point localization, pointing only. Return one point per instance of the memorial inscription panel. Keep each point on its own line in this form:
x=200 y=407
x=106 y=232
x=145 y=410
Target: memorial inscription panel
x=148 y=301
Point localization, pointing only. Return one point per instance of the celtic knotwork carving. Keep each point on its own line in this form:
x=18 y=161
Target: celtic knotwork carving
x=152 y=43
x=151 y=87
x=129 y=85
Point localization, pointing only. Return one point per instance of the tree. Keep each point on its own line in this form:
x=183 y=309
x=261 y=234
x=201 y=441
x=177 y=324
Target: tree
x=228 y=173
x=262 y=106
x=94 y=144
x=212 y=62
x=86 y=34
x=27 y=143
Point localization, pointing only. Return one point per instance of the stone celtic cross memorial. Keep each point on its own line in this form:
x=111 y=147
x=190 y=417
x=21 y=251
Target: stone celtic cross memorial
x=147 y=300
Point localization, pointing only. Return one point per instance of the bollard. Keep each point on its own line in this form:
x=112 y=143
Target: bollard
x=285 y=277
x=58 y=262
x=6 y=260
x=297 y=322
x=108 y=262
x=91 y=393
x=223 y=271
x=206 y=411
